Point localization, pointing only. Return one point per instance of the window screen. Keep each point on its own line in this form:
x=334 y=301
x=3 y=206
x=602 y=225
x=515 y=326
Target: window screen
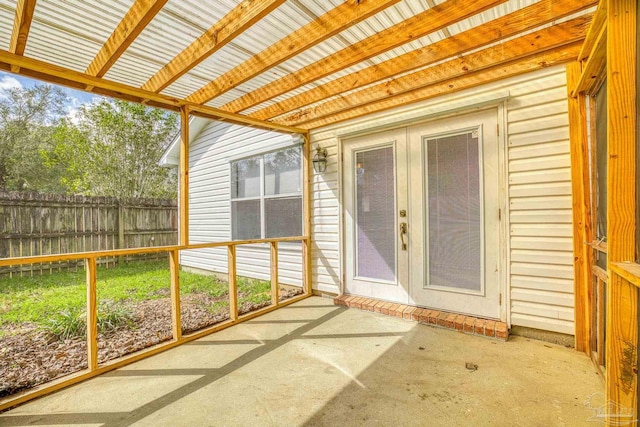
x=601 y=171
x=454 y=212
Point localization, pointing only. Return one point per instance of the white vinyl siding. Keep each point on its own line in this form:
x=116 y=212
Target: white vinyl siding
x=539 y=259
x=210 y=155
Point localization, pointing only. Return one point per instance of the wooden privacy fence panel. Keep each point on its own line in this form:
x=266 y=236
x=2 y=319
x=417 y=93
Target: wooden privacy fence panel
x=44 y=224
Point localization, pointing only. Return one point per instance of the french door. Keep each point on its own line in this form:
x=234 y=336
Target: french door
x=375 y=183
x=422 y=215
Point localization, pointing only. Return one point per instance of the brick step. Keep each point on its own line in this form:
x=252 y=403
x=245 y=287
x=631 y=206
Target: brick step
x=458 y=322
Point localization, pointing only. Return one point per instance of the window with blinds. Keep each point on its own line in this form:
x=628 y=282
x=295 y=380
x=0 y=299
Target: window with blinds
x=375 y=216
x=454 y=216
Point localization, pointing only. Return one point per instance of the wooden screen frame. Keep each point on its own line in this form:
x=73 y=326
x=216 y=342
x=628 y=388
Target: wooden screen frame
x=609 y=53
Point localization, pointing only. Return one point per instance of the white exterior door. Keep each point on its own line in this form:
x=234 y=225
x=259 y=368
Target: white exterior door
x=455 y=228
x=439 y=182
x=375 y=183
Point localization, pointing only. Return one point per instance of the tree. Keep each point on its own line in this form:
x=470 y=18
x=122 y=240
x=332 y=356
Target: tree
x=28 y=119
x=114 y=149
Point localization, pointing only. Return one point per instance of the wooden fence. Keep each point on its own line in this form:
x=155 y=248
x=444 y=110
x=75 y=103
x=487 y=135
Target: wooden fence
x=45 y=224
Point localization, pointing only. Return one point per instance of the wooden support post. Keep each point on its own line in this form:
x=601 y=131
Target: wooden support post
x=233 y=283
x=92 y=314
x=184 y=176
x=275 y=297
x=582 y=271
x=306 y=211
x=622 y=296
x=174 y=267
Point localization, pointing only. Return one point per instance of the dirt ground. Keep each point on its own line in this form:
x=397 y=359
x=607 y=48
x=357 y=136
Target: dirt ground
x=30 y=356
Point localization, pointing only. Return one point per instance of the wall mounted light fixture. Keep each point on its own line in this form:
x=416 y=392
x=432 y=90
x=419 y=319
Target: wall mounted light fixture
x=320 y=160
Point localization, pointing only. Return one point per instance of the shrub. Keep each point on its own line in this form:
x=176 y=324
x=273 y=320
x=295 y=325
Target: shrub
x=67 y=324
x=112 y=315
x=73 y=323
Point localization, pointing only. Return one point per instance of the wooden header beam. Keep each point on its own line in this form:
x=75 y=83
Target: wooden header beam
x=229 y=27
x=64 y=76
x=525 y=19
x=331 y=23
x=136 y=19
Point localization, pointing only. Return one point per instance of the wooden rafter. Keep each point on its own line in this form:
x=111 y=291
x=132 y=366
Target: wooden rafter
x=514 y=23
x=64 y=76
x=417 y=26
x=21 y=26
x=331 y=23
x=530 y=44
x=233 y=24
x=136 y=19
x=556 y=56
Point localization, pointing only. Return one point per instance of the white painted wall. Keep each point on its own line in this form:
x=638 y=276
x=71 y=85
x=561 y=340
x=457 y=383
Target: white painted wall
x=539 y=254
x=211 y=151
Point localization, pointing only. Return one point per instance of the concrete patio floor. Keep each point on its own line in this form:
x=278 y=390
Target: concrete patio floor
x=313 y=363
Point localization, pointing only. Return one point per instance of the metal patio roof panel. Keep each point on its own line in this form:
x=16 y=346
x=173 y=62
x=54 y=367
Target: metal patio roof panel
x=489 y=15
x=54 y=46
x=6 y=25
x=57 y=25
x=163 y=39
x=201 y=15
x=275 y=26
x=132 y=69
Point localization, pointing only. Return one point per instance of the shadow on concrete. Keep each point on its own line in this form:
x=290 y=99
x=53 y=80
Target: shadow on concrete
x=421 y=379
x=209 y=376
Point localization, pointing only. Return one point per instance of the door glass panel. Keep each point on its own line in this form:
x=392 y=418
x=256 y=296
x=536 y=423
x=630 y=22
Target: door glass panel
x=454 y=215
x=375 y=216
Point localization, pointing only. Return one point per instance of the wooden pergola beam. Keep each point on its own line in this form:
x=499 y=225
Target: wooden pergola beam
x=229 y=27
x=556 y=56
x=514 y=23
x=420 y=25
x=136 y=19
x=331 y=23
x=530 y=44
x=599 y=21
x=21 y=26
x=64 y=76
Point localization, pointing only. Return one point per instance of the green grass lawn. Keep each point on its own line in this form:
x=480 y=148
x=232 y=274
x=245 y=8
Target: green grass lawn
x=39 y=299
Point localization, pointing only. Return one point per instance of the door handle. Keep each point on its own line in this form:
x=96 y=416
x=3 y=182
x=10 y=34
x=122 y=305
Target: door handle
x=403 y=233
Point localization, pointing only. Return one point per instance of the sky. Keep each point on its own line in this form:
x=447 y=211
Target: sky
x=75 y=98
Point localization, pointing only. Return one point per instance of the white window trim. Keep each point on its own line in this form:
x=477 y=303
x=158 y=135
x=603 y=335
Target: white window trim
x=262 y=196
